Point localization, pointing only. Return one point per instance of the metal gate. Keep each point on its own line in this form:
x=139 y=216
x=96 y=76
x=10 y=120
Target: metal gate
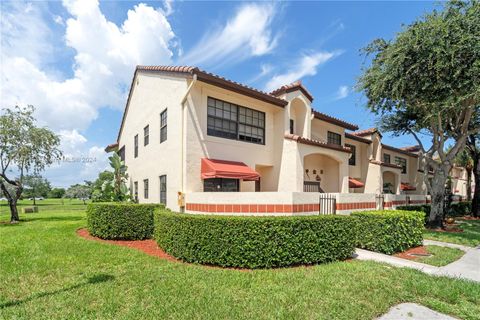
x=327 y=204
x=380 y=200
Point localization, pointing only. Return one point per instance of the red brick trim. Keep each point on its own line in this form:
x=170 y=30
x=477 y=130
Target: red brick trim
x=252 y=208
x=356 y=205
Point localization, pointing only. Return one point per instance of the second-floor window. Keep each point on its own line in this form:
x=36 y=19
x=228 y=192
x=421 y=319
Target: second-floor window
x=292 y=125
x=145 y=189
x=146 y=134
x=228 y=120
x=163 y=126
x=386 y=158
x=135 y=146
x=353 y=159
x=334 y=138
x=402 y=162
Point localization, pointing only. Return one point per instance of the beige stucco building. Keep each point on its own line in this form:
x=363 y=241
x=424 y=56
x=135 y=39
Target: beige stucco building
x=185 y=131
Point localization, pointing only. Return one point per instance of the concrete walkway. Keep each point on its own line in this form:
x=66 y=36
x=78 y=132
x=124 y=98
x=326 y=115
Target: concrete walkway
x=467 y=267
x=413 y=311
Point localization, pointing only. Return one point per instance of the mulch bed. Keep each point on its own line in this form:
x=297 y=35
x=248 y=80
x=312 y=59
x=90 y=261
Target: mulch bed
x=471 y=218
x=149 y=246
x=407 y=254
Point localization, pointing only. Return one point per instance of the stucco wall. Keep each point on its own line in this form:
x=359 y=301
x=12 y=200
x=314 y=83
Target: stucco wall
x=156 y=158
x=200 y=145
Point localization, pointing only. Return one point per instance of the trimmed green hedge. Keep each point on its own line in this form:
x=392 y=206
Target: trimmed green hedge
x=389 y=231
x=126 y=221
x=457 y=209
x=255 y=242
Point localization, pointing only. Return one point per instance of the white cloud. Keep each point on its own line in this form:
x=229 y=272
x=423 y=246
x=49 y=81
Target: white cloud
x=342 y=92
x=105 y=56
x=80 y=162
x=248 y=33
x=265 y=69
x=305 y=66
x=104 y=59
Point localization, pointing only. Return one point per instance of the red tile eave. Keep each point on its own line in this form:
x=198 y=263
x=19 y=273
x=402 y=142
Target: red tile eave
x=366 y=132
x=356 y=138
x=333 y=120
x=311 y=142
x=292 y=87
x=385 y=146
x=111 y=147
x=385 y=164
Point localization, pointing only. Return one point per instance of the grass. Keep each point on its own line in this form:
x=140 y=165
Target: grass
x=469 y=237
x=441 y=256
x=49 y=272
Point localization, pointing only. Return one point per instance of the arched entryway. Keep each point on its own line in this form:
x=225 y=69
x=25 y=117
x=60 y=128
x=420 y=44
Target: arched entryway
x=390 y=182
x=323 y=171
x=298 y=117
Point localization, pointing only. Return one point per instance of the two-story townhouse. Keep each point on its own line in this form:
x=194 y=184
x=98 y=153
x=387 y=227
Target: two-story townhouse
x=191 y=133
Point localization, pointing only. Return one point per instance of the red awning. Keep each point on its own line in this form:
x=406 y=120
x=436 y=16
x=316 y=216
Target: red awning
x=407 y=187
x=352 y=183
x=212 y=168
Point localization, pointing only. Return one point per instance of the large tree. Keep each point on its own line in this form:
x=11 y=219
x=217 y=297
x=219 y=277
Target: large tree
x=24 y=148
x=35 y=186
x=427 y=80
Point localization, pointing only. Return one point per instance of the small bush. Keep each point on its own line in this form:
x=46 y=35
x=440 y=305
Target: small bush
x=255 y=242
x=124 y=221
x=389 y=231
x=459 y=209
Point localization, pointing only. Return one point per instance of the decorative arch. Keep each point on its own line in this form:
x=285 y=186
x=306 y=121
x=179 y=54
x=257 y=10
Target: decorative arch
x=298 y=110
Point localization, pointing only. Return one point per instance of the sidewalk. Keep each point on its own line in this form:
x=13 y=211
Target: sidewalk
x=467 y=267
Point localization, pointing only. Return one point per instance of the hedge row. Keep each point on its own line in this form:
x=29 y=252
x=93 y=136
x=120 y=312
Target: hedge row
x=255 y=242
x=121 y=221
x=457 y=209
x=389 y=231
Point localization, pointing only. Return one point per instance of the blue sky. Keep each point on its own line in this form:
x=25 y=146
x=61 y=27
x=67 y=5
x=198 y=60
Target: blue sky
x=74 y=60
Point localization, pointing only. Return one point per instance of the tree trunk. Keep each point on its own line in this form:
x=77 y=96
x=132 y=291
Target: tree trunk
x=435 y=220
x=476 y=193
x=14 y=218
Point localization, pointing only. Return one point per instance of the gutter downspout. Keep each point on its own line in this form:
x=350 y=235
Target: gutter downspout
x=184 y=99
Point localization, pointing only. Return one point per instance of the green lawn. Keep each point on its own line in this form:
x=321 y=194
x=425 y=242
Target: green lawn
x=469 y=237
x=441 y=256
x=48 y=272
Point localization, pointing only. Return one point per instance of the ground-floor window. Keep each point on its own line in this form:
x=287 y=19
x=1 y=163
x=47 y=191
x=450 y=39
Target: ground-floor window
x=135 y=191
x=163 y=189
x=145 y=189
x=221 y=185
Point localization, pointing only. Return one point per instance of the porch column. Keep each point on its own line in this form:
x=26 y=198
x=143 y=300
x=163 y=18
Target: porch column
x=397 y=184
x=343 y=177
x=378 y=156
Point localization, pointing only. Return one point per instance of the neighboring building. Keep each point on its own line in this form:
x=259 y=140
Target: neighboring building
x=185 y=130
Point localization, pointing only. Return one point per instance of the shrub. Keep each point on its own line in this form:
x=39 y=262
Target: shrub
x=255 y=242
x=425 y=208
x=124 y=221
x=389 y=231
x=459 y=209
